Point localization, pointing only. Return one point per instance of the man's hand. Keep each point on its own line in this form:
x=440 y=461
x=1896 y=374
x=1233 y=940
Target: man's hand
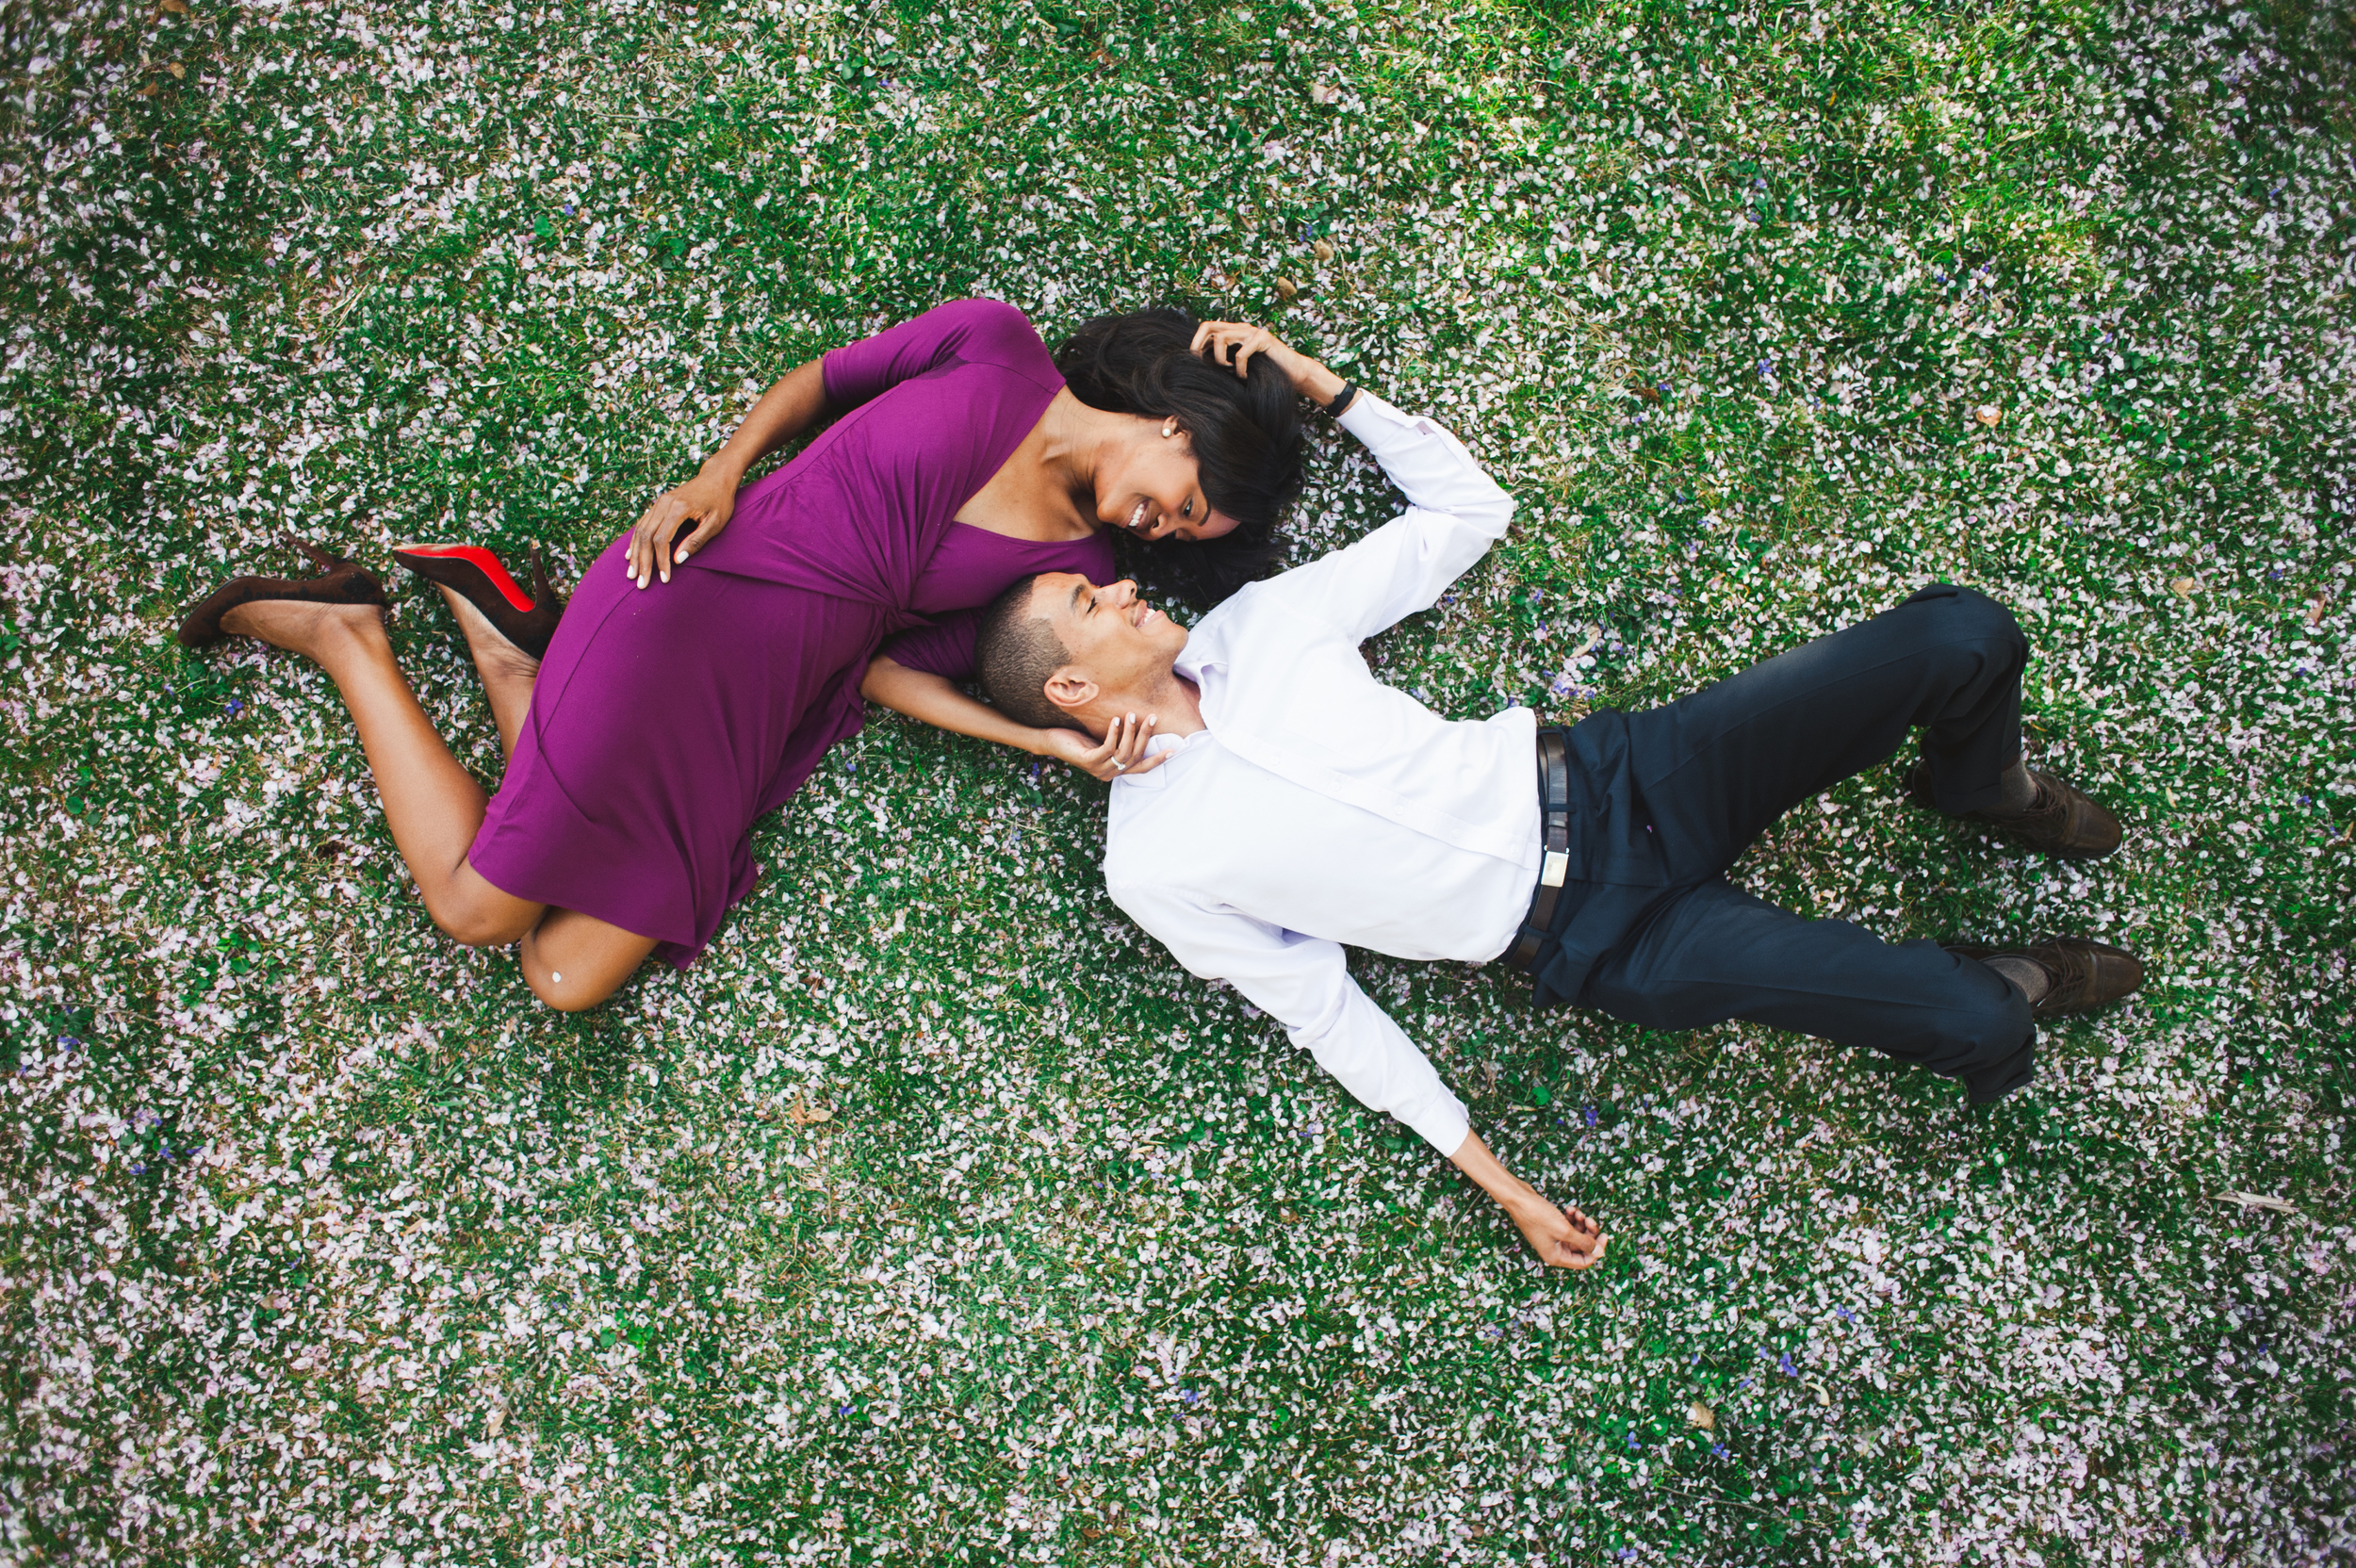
x=1562 y=1238
x=1234 y=343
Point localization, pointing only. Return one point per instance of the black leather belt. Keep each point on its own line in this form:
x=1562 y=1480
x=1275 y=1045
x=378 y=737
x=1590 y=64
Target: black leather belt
x=1554 y=801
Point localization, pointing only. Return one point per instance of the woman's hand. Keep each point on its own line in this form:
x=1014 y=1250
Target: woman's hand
x=1122 y=751
x=707 y=500
x=1235 y=343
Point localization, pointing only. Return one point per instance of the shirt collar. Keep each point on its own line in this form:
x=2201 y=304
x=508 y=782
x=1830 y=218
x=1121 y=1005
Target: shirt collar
x=1159 y=743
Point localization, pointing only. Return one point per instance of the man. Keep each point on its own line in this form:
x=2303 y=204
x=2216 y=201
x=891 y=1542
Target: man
x=1290 y=804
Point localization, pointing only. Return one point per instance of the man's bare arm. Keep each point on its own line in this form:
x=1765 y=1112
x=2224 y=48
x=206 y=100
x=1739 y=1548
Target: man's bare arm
x=1562 y=1238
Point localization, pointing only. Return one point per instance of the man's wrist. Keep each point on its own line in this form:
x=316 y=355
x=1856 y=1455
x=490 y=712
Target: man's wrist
x=1319 y=385
x=1524 y=1203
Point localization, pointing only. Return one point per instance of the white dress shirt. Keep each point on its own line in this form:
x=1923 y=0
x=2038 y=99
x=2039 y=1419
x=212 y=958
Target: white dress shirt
x=1321 y=806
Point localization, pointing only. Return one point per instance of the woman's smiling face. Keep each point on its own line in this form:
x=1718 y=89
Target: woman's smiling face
x=1152 y=489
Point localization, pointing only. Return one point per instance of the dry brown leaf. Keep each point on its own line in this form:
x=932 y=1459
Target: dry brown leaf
x=178 y=71
x=1702 y=1416
x=178 y=8
x=1323 y=251
x=1286 y=288
x=2182 y=587
x=2314 y=610
x=1988 y=413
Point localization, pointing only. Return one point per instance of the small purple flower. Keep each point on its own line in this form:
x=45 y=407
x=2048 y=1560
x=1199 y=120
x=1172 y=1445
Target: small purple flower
x=1631 y=1439
x=1190 y=1396
x=138 y=1168
x=1767 y=369
x=1592 y=1117
x=1786 y=1368
x=844 y=1408
x=1845 y=1315
x=568 y=209
x=237 y=706
x=1745 y=1383
x=1719 y=1450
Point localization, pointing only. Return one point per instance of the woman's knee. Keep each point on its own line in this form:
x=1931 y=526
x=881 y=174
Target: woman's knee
x=566 y=996
x=475 y=926
x=472 y=912
x=574 y=961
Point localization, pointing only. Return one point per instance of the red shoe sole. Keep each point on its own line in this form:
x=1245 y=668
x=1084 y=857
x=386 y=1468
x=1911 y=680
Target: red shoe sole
x=482 y=560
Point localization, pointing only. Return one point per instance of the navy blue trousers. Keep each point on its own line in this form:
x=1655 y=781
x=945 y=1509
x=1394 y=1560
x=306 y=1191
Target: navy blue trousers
x=1650 y=929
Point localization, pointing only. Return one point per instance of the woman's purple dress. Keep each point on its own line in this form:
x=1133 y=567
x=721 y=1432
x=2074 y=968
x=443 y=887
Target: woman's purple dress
x=666 y=720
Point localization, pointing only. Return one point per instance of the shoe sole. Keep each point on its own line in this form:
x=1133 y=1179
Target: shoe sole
x=423 y=559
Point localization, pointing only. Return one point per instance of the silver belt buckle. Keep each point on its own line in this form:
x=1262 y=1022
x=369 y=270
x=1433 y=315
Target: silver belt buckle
x=1557 y=866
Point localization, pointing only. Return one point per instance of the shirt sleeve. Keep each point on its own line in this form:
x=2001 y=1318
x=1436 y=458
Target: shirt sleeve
x=961 y=331
x=945 y=648
x=1454 y=512
x=1303 y=983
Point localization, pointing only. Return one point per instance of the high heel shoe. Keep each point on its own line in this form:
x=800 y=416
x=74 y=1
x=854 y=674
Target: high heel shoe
x=527 y=620
x=341 y=580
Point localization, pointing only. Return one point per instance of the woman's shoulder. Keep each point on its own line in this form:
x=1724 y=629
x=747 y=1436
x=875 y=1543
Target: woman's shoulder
x=994 y=333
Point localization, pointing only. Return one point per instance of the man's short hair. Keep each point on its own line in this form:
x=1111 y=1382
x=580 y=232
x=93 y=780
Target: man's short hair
x=1017 y=651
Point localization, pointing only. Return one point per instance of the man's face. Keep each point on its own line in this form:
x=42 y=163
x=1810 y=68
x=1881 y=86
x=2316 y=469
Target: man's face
x=1117 y=641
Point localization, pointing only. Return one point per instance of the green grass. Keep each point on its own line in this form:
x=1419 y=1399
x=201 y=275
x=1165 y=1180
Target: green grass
x=319 y=1241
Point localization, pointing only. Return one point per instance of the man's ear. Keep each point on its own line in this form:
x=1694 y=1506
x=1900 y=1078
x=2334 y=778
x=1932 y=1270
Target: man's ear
x=1070 y=689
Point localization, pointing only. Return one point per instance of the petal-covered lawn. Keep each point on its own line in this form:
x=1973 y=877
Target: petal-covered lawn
x=937 y=1215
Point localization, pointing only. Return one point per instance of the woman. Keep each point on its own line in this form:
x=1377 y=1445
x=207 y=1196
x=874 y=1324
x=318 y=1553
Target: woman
x=684 y=692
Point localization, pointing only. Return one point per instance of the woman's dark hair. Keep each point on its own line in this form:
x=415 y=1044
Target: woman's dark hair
x=1245 y=432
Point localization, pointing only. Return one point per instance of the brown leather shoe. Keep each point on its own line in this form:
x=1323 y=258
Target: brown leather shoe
x=2081 y=975
x=340 y=581
x=2064 y=821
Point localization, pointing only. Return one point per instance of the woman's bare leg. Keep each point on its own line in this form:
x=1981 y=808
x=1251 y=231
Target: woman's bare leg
x=572 y=960
x=507 y=671
x=434 y=807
